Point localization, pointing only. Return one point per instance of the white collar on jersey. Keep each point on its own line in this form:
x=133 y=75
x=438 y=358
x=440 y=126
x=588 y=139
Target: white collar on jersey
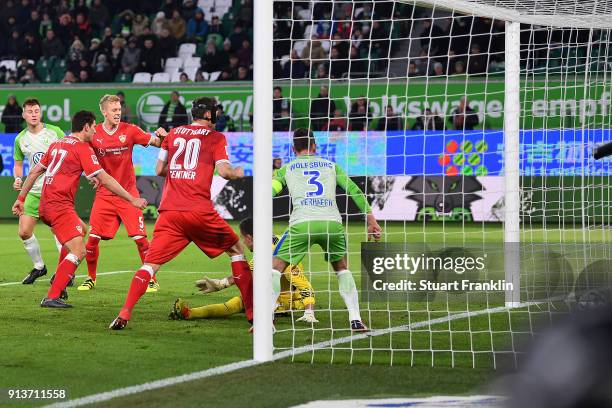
x=110 y=132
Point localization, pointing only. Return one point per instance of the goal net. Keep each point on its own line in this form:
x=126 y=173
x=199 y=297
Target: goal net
x=469 y=126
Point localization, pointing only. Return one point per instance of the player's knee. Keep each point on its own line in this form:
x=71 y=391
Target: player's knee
x=24 y=235
x=93 y=241
x=236 y=249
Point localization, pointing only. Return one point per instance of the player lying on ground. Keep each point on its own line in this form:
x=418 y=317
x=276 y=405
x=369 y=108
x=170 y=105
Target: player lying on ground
x=315 y=219
x=296 y=291
x=32 y=143
x=188 y=157
x=64 y=162
x=113 y=143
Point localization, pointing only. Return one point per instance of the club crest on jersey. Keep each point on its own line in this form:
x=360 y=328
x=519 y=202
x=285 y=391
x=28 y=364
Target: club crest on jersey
x=122 y=138
x=79 y=228
x=37 y=156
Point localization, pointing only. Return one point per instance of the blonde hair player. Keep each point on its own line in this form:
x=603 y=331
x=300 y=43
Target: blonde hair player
x=113 y=143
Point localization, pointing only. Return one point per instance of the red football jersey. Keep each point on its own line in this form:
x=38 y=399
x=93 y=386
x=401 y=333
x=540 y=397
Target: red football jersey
x=65 y=160
x=114 y=151
x=192 y=152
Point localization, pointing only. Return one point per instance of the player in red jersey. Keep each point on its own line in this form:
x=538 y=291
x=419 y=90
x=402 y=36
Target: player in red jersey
x=188 y=157
x=63 y=164
x=113 y=143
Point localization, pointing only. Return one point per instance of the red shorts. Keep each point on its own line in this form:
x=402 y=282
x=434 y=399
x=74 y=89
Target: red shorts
x=174 y=230
x=65 y=225
x=110 y=211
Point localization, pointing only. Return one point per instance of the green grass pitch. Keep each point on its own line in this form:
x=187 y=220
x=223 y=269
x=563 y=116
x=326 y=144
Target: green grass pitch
x=74 y=350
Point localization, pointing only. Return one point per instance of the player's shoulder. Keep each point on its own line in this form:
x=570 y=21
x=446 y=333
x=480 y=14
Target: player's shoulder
x=21 y=135
x=55 y=129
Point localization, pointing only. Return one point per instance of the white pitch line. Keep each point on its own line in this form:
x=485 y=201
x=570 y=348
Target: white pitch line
x=197 y=375
x=120 y=272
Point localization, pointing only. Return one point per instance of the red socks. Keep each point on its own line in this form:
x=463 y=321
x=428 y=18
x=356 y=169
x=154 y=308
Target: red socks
x=64 y=273
x=62 y=255
x=140 y=281
x=244 y=280
x=92 y=252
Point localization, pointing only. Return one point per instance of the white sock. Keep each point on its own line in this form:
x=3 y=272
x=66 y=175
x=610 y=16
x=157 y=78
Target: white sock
x=348 y=291
x=276 y=287
x=33 y=249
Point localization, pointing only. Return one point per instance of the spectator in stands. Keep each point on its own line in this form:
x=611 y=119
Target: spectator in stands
x=295 y=68
x=188 y=10
x=283 y=123
x=214 y=60
x=178 y=27
x=223 y=120
x=237 y=37
x=459 y=68
x=69 y=78
x=95 y=50
x=321 y=109
x=477 y=61
x=65 y=29
x=15 y=45
x=29 y=77
x=116 y=54
x=150 y=58
x=314 y=53
x=245 y=54
x=33 y=24
x=322 y=72
x=338 y=122
x=413 y=70
x=199 y=76
x=102 y=70
x=197 y=27
x=126 y=112
x=52 y=46
x=139 y=25
x=83 y=28
x=428 y=121
x=169 y=7
x=359 y=115
x=160 y=23
x=22 y=66
x=438 y=69
x=99 y=15
x=131 y=57
x=244 y=74
x=174 y=113
x=126 y=19
x=84 y=76
x=277 y=164
x=391 y=121
x=279 y=102
x=45 y=25
x=464 y=117
x=338 y=65
x=215 y=27
x=11 y=116
x=31 y=47
x=358 y=65
x=184 y=77
x=245 y=13
x=76 y=53
x=166 y=44
x=107 y=39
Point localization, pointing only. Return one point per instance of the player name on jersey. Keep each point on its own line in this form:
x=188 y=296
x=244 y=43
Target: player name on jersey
x=182 y=174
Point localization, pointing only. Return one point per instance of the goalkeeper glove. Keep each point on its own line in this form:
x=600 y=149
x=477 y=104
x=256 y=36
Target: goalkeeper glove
x=308 y=317
x=208 y=285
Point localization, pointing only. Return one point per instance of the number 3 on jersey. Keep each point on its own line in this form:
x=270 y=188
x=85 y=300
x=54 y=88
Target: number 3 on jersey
x=191 y=149
x=313 y=180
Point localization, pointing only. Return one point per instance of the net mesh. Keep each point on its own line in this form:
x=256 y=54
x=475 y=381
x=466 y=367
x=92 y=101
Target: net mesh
x=408 y=99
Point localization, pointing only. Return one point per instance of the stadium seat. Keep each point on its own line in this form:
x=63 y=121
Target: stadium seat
x=57 y=72
x=192 y=62
x=141 y=78
x=176 y=76
x=123 y=77
x=308 y=32
x=191 y=72
x=214 y=76
x=10 y=65
x=161 y=77
x=186 y=50
x=173 y=64
x=200 y=49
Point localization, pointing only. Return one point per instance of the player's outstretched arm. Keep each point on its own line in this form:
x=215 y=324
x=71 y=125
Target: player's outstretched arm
x=36 y=172
x=229 y=172
x=209 y=285
x=353 y=190
x=278 y=181
x=113 y=186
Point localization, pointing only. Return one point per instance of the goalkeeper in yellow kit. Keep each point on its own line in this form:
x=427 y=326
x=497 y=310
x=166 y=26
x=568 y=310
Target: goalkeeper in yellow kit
x=296 y=291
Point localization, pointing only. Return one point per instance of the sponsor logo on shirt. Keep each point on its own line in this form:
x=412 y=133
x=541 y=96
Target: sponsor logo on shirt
x=79 y=228
x=37 y=156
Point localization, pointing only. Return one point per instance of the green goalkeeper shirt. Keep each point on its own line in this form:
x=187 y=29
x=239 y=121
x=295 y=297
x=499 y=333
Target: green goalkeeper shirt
x=312 y=181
